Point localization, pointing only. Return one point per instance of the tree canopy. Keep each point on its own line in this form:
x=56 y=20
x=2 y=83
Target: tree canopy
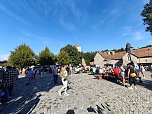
x=147 y=16
x=88 y=56
x=22 y=56
x=64 y=58
x=118 y=50
x=74 y=54
x=46 y=57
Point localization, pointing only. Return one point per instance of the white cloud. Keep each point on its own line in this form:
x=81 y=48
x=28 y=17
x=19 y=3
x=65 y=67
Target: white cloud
x=78 y=15
x=149 y=42
x=67 y=25
x=31 y=35
x=73 y=8
x=127 y=30
x=145 y=1
x=110 y=17
x=138 y=36
x=4 y=57
x=9 y=13
x=114 y=12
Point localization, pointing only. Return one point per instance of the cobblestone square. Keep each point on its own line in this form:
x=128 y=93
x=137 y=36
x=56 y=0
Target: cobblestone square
x=87 y=95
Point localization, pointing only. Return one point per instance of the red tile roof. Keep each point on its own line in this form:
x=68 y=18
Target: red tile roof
x=117 y=55
x=143 y=52
x=104 y=55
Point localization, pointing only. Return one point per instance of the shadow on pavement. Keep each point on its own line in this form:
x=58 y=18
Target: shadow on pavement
x=26 y=97
x=103 y=109
x=70 y=111
x=29 y=106
x=90 y=109
x=147 y=84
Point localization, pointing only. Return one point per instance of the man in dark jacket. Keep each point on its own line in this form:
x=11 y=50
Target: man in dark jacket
x=9 y=79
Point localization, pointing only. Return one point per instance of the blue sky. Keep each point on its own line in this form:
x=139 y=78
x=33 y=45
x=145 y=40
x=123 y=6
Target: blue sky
x=94 y=24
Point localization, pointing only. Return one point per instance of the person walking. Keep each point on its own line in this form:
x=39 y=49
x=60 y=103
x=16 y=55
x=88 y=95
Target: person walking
x=68 y=75
x=132 y=75
x=137 y=72
x=122 y=74
x=142 y=70
x=9 y=80
x=29 y=75
x=70 y=66
x=55 y=74
x=63 y=75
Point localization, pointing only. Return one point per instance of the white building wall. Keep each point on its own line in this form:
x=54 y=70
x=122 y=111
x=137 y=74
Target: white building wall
x=78 y=48
x=145 y=60
x=126 y=61
x=99 y=60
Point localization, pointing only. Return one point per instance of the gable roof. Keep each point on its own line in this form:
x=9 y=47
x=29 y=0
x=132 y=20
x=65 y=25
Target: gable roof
x=142 y=52
x=104 y=55
x=117 y=55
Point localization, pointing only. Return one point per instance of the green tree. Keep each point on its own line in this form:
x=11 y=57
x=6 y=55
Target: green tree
x=74 y=54
x=147 y=14
x=64 y=58
x=118 y=50
x=46 y=57
x=88 y=56
x=22 y=56
x=55 y=58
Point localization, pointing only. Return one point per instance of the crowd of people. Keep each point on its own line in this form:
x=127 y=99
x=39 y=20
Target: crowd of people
x=9 y=75
x=129 y=73
x=122 y=74
x=34 y=72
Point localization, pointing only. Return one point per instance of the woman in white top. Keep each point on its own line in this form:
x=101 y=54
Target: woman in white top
x=142 y=69
x=122 y=74
x=63 y=75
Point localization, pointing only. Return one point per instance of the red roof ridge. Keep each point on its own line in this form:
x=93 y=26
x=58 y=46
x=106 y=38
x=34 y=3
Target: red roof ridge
x=142 y=52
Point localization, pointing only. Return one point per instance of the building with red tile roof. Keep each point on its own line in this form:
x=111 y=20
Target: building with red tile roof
x=142 y=55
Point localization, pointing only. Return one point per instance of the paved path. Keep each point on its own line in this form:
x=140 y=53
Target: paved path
x=86 y=96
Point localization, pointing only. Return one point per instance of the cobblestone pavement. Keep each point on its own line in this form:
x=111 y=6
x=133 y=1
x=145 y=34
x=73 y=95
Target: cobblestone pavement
x=86 y=96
